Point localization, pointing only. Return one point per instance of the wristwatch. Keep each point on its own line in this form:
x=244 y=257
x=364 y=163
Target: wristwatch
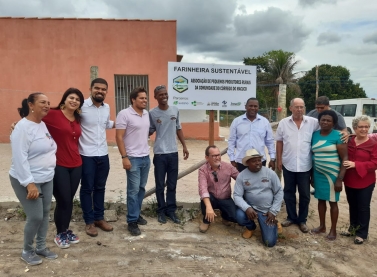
x=125 y=156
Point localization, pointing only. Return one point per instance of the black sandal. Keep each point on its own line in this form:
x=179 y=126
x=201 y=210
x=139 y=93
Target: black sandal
x=358 y=241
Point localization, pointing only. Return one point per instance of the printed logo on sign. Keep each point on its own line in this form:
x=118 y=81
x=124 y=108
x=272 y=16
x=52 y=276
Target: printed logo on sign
x=180 y=84
x=180 y=103
x=194 y=103
x=224 y=103
x=213 y=104
x=235 y=104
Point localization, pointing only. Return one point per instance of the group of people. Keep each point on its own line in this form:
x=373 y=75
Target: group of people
x=315 y=150
x=257 y=195
x=133 y=127
x=53 y=150
x=310 y=150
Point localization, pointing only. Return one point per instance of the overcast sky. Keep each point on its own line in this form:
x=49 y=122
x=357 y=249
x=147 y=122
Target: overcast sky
x=336 y=32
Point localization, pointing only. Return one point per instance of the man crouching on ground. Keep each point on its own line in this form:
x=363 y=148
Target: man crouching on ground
x=214 y=189
x=258 y=195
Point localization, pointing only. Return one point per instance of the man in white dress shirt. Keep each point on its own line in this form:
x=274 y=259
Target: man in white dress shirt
x=95 y=119
x=293 y=156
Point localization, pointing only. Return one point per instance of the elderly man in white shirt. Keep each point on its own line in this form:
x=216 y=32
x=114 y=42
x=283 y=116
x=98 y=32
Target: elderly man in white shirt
x=294 y=157
x=95 y=119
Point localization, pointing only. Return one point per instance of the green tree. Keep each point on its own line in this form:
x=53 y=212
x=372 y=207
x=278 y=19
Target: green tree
x=334 y=82
x=274 y=68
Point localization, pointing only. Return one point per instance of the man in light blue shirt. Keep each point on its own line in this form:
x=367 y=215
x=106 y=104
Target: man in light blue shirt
x=250 y=131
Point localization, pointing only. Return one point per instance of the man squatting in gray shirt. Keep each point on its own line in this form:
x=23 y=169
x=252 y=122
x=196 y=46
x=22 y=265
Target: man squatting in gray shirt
x=258 y=195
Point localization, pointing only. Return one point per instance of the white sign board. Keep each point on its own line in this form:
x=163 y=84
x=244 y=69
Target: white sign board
x=194 y=86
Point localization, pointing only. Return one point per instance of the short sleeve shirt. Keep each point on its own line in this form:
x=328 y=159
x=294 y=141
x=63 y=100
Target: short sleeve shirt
x=165 y=123
x=297 y=152
x=135 y=138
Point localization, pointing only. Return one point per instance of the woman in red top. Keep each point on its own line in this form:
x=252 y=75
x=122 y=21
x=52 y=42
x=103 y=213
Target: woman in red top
x=63 y=123
x=360 y=178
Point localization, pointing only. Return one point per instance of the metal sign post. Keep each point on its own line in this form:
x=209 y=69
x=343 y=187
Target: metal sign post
x=211 y=139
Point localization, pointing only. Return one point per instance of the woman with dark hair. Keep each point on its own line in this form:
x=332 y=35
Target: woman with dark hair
x=328 y=171
x=360 y=178
x=31 y=174
x=63 y=122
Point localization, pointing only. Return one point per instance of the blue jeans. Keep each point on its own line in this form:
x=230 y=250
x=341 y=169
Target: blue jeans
x=137 y=178
x=292 y=182
x=269 y=233
x=93 y=182
x=226 y=206
x=166 y=165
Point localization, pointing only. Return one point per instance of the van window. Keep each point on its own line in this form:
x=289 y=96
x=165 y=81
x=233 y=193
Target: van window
x=369 y=109
x=349 y=110
x=337 y=108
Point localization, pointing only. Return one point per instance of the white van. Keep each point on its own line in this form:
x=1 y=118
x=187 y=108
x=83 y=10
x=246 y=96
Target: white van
x=350 y=108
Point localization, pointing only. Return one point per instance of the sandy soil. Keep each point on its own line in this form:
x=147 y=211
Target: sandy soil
x=172 y=250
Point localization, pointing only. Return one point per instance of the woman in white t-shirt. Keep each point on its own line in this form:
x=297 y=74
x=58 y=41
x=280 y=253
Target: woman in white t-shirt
x=31 y=174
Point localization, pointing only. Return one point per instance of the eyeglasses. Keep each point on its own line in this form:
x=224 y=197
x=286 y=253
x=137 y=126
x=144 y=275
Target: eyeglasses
x=214 y=173
x=215 y=156
x=159 y=87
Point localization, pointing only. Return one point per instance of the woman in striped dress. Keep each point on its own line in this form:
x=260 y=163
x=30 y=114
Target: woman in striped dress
x=328 y=172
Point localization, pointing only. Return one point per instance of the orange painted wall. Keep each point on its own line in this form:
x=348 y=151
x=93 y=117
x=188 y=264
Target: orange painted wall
x=200 y=130
x=51 y=55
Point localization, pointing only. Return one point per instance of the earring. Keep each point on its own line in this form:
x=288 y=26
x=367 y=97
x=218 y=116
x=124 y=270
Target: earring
x=62 y=106
x=32 y=111
x=78 y=110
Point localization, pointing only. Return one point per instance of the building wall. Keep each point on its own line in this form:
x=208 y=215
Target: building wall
x=51 y=55
x=200 y=131
x=195 y=125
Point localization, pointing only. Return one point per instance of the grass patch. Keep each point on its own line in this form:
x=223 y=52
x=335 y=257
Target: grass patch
x=311 y=213
x=151 y=209
x=21 y=212
x=351 y=230
x=120 y=203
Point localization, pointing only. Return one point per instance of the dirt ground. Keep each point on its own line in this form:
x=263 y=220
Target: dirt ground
x=181 y=250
